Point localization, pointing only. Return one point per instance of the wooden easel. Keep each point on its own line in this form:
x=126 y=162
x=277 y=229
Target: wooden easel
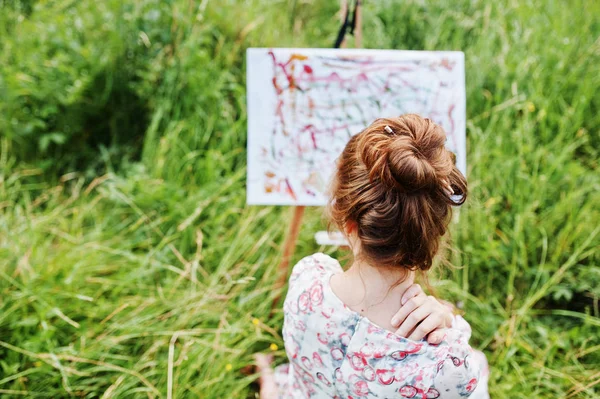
x=354 y=27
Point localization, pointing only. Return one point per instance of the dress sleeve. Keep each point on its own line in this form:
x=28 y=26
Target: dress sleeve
x=465 y=371
x=311 y=267
x=459 y=370
x=305 y=284
x=303 y=269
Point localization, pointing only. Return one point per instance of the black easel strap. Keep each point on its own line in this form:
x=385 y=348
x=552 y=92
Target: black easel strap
x=347 y=25
x=353 y=25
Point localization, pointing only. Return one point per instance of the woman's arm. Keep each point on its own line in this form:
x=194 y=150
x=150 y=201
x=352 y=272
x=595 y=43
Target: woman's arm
x=463 y=372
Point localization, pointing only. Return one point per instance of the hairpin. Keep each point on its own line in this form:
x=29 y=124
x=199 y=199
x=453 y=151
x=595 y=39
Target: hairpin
x=388 y=129
x=447 y=187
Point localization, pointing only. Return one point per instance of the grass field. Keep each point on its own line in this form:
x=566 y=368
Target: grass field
x=130 y=265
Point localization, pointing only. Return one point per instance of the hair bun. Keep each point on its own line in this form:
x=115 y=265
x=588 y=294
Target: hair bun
x=405 y=155
x=409 y=170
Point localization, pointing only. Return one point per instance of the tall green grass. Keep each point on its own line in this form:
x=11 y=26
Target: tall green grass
x=130 y=265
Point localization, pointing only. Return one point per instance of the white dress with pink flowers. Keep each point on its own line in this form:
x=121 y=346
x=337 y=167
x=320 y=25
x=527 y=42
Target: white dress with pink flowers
x=335 y=352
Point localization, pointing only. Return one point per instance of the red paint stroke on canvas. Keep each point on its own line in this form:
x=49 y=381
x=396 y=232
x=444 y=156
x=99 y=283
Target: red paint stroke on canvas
x=290 y=191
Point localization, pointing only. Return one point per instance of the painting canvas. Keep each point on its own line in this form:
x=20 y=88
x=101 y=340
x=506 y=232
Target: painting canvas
x=305 y=104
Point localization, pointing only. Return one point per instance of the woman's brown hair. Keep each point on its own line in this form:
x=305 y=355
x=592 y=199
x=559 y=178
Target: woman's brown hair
x=393 y=181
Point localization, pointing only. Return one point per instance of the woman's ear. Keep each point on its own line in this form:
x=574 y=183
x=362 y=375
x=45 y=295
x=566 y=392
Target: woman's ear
x=351 y=231
x=351 y=228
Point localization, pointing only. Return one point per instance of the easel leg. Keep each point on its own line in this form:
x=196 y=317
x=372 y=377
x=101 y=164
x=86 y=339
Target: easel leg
x=343 y=12
x=358 y=27
x=288 y=250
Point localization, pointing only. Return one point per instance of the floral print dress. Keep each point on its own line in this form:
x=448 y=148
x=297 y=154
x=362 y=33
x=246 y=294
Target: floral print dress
x=335 y=352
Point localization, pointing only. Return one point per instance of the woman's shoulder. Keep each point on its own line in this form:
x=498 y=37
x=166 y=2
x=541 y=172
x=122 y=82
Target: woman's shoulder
x=313 y=317
x=315 y=265
x=310 y=296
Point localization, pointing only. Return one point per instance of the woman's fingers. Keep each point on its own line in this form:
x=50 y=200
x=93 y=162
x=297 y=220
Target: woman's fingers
x=406 y=309
x=413 y=319
x=431 y=322
x=421 y=315
x=268 y=385
x=411 y=292
x=414 y=291
x=437 y=336
x=263 y=361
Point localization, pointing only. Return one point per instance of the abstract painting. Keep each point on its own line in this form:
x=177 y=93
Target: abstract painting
x=305 y=104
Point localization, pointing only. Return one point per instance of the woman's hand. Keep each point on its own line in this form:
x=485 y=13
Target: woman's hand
x=422 y=315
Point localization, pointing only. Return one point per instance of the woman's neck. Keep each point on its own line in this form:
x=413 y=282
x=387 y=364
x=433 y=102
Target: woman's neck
x=372 y=291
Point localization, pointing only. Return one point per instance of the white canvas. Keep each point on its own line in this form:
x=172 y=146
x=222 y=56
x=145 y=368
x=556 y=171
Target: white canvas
x=305 y=104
